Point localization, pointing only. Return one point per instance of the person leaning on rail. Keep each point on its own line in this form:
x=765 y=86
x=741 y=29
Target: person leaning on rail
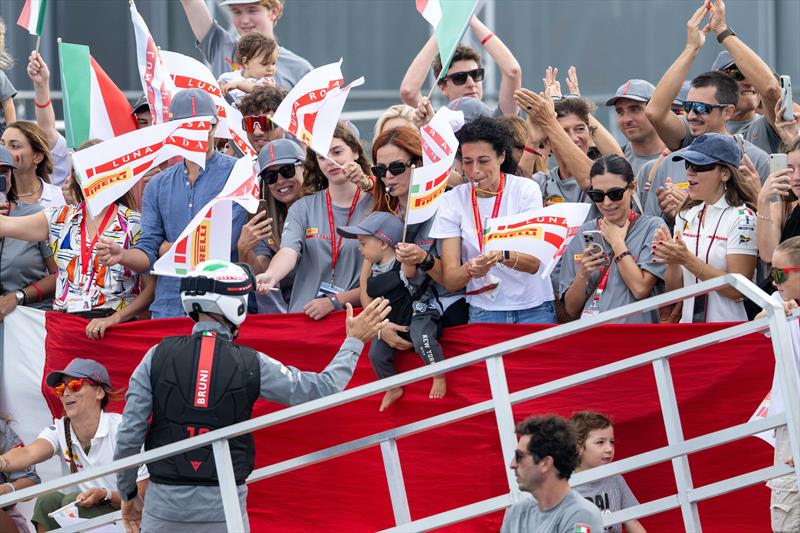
x=191 y=384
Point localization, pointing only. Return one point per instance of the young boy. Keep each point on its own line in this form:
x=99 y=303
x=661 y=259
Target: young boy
x=377 y=235
x=595 y=438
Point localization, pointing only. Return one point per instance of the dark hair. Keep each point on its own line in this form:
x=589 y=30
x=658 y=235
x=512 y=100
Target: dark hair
x=314 y=179
x=127 y=199
x=574 y=106
x=727 y=90
x=462 y=53
x=551 y=435
x=585 y=422
x=38 y=141
x=254 y=44
x=736 y=193
x=613 y=164
x=492 y=131
x=262 y=100
x=406 y=139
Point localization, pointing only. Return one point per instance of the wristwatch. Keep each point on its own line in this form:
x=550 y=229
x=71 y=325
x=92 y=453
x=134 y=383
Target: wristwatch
x=725 y=34
x=20 y=294
x=506 y=256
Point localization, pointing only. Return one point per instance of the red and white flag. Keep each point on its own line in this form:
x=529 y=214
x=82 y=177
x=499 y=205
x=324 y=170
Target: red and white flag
x=312 y=108
x=438 y=136
x=156 y=81
x=543 y=233
x=108 y=170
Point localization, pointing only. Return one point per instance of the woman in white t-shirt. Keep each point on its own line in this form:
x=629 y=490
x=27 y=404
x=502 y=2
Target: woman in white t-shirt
x=27 y=144
x=85 y=437
x=714 y=231
x=502 y=287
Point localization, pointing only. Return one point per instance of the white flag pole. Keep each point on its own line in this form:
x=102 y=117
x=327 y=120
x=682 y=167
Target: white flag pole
x=408 y=199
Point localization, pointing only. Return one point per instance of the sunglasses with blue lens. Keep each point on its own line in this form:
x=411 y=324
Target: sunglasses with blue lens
x=701 y=108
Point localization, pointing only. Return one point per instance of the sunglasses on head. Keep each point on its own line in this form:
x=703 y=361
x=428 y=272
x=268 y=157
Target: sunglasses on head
x=250 y=122
x=395 y=167
x=615 y=195
x=734 y=73
x=699 y=168
x=780 y=275
x=701 y=108
x=460 y=78
x=270 y=176
x=74 y=385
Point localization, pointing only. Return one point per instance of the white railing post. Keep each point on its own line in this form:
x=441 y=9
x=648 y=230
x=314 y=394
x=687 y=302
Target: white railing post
x=394 y=477
x=672 y=424
x=504 y=416
x=227 y=486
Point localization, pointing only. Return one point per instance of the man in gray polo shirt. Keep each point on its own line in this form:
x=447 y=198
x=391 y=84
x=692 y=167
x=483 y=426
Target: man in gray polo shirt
x=643 y=142
x=218 y=46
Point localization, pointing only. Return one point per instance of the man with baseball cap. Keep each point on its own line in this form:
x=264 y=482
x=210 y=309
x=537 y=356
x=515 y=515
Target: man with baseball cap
x=643 y=142
x=170 y=201
x=141 y=111
x=218 y=46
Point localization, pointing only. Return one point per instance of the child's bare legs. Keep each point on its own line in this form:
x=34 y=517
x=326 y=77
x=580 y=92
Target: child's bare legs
x=391 y=396
x=439 y=388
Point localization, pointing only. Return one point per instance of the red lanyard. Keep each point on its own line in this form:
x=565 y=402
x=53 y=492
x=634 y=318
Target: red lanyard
x=602 y=285
x=713 y=236
x=337 y=245
x=476 y=214
x=86 y=248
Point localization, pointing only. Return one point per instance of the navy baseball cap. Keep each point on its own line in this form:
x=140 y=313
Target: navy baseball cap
x=5 y=158
x=711 y=148
x=723 y=61
x=190 y=103
x=80 y=368
x=639 y=90
x=385 y=226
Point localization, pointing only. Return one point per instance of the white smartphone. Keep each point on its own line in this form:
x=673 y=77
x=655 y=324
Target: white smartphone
x=593 y=239
x=786 y=98
x=777 y=162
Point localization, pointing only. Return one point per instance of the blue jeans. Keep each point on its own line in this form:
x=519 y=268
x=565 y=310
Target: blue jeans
x=542 y=314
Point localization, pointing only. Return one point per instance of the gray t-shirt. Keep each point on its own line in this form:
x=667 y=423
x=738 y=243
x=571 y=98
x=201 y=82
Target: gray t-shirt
x=616 y=293
x=637 y=161
x=274 y=301
x=609 y=494
x=6 y=91
x=761 y=133
x=307 y=231
x=736 y=126
x=219 y=45
x=566 y=517
x=22 y=262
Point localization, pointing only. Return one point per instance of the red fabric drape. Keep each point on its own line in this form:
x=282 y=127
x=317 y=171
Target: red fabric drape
x=462 y=463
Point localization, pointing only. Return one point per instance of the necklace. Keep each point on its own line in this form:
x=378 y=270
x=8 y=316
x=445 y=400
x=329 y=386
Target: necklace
x=39 y=188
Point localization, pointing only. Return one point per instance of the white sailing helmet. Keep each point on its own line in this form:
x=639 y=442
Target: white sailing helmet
x=219 y=287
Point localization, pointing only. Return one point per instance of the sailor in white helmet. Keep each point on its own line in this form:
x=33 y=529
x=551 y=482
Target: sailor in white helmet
x=188 y=385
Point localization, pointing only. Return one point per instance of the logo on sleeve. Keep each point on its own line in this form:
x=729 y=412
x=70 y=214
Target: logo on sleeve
x=582 y=528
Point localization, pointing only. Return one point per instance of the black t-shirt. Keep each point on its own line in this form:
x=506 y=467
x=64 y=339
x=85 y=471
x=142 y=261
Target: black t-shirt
x=792 y=226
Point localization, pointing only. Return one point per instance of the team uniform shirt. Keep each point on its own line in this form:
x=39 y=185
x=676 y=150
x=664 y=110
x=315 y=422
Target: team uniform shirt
x=573 y=514
x=107 y=287
x=727 y=230
x=616 y=293
x=8 y=441
x=307 y=231
x=761 y=133
x=609 y=494
x=101 y=451
x=22 y=263
x=218 y=48
x=169 y=203
x=637 y=161
x=455 y=218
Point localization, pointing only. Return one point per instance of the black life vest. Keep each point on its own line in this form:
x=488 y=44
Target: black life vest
x=201 y=383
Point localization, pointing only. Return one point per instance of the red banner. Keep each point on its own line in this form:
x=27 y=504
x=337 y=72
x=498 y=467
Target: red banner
x=461 y=463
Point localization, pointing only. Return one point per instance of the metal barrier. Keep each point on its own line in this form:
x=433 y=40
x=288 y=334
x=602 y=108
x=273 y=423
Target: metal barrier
x=676 y=451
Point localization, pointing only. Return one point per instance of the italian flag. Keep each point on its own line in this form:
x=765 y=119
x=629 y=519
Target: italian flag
x=449 y=19
x=582 y=528
x=32 y=16
x=94 y=108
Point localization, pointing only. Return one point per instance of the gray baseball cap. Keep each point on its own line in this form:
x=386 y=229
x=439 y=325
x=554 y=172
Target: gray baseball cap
x=385 y=226
x=471 y=107
x=141 y=105
x=639 y=90
x=279 y=152
x=190 y=103
x=5 y=158
x=723 y=61
x=80 y=368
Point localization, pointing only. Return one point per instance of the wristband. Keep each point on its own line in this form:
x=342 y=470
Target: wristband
x=337 y=305
x=531 y=150
x=427 y=263
x=725 y=34
x=36 y=286
x=44 y=105
x=621 y=256
x=486 y=39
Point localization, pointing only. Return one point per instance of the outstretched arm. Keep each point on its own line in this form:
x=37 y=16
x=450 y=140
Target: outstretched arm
x=199 y=17
x=511 y=72
x=411 y=86
x=45 y=115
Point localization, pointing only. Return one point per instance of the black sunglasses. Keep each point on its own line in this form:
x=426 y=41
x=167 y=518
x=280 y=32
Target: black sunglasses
x=615 y=194
x=270 y=176
x=734 y=73
x=701 y=108
x=395 y=167
x=460 y=78
x=699 y=168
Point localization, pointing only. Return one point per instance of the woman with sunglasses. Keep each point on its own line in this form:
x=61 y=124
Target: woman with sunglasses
x=84 y=437
x=281 y=164
x=326 y=265
x=620 y=270
x=714 y=230
x=502 y=287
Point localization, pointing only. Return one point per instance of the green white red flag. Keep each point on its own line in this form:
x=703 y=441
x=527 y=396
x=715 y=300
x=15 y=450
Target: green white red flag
x=449 y=19
x=32 y=16
x=156 y=82
x=94 y=107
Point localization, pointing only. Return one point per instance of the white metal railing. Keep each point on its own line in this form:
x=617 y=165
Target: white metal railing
x=676 y=451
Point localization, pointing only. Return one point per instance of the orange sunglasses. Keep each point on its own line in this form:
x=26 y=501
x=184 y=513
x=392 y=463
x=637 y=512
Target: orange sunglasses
x=74 y=385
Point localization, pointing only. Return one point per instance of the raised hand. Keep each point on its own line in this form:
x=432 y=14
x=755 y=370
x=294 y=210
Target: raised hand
x=37 y=69
x=572 y=81
x=369 y=321
x=695 y=32
x=423 y=113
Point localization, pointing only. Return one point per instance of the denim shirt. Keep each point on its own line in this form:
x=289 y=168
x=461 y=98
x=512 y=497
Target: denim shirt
x=169 y=203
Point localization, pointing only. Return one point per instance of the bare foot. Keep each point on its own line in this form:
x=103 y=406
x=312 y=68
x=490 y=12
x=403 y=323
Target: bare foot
x=391 y=396
x=439 y=387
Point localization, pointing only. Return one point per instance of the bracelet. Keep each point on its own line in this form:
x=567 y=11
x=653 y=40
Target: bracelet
x=486 y=39
x=39 y=295
x=621 y=256
x=762 y=217
x=531 y=151
x=11 y=487
x=516 y=260
x=370 y=186
x=427 y=263
x=44 y=105
x=337 y=305
x=701 y=271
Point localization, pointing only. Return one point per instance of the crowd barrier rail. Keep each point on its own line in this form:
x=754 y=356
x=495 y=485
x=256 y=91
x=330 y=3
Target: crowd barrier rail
x=676 y=451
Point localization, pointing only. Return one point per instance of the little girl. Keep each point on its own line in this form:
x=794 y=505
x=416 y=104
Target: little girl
x=257 y=55
x=595 y=436
x=785 y=499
